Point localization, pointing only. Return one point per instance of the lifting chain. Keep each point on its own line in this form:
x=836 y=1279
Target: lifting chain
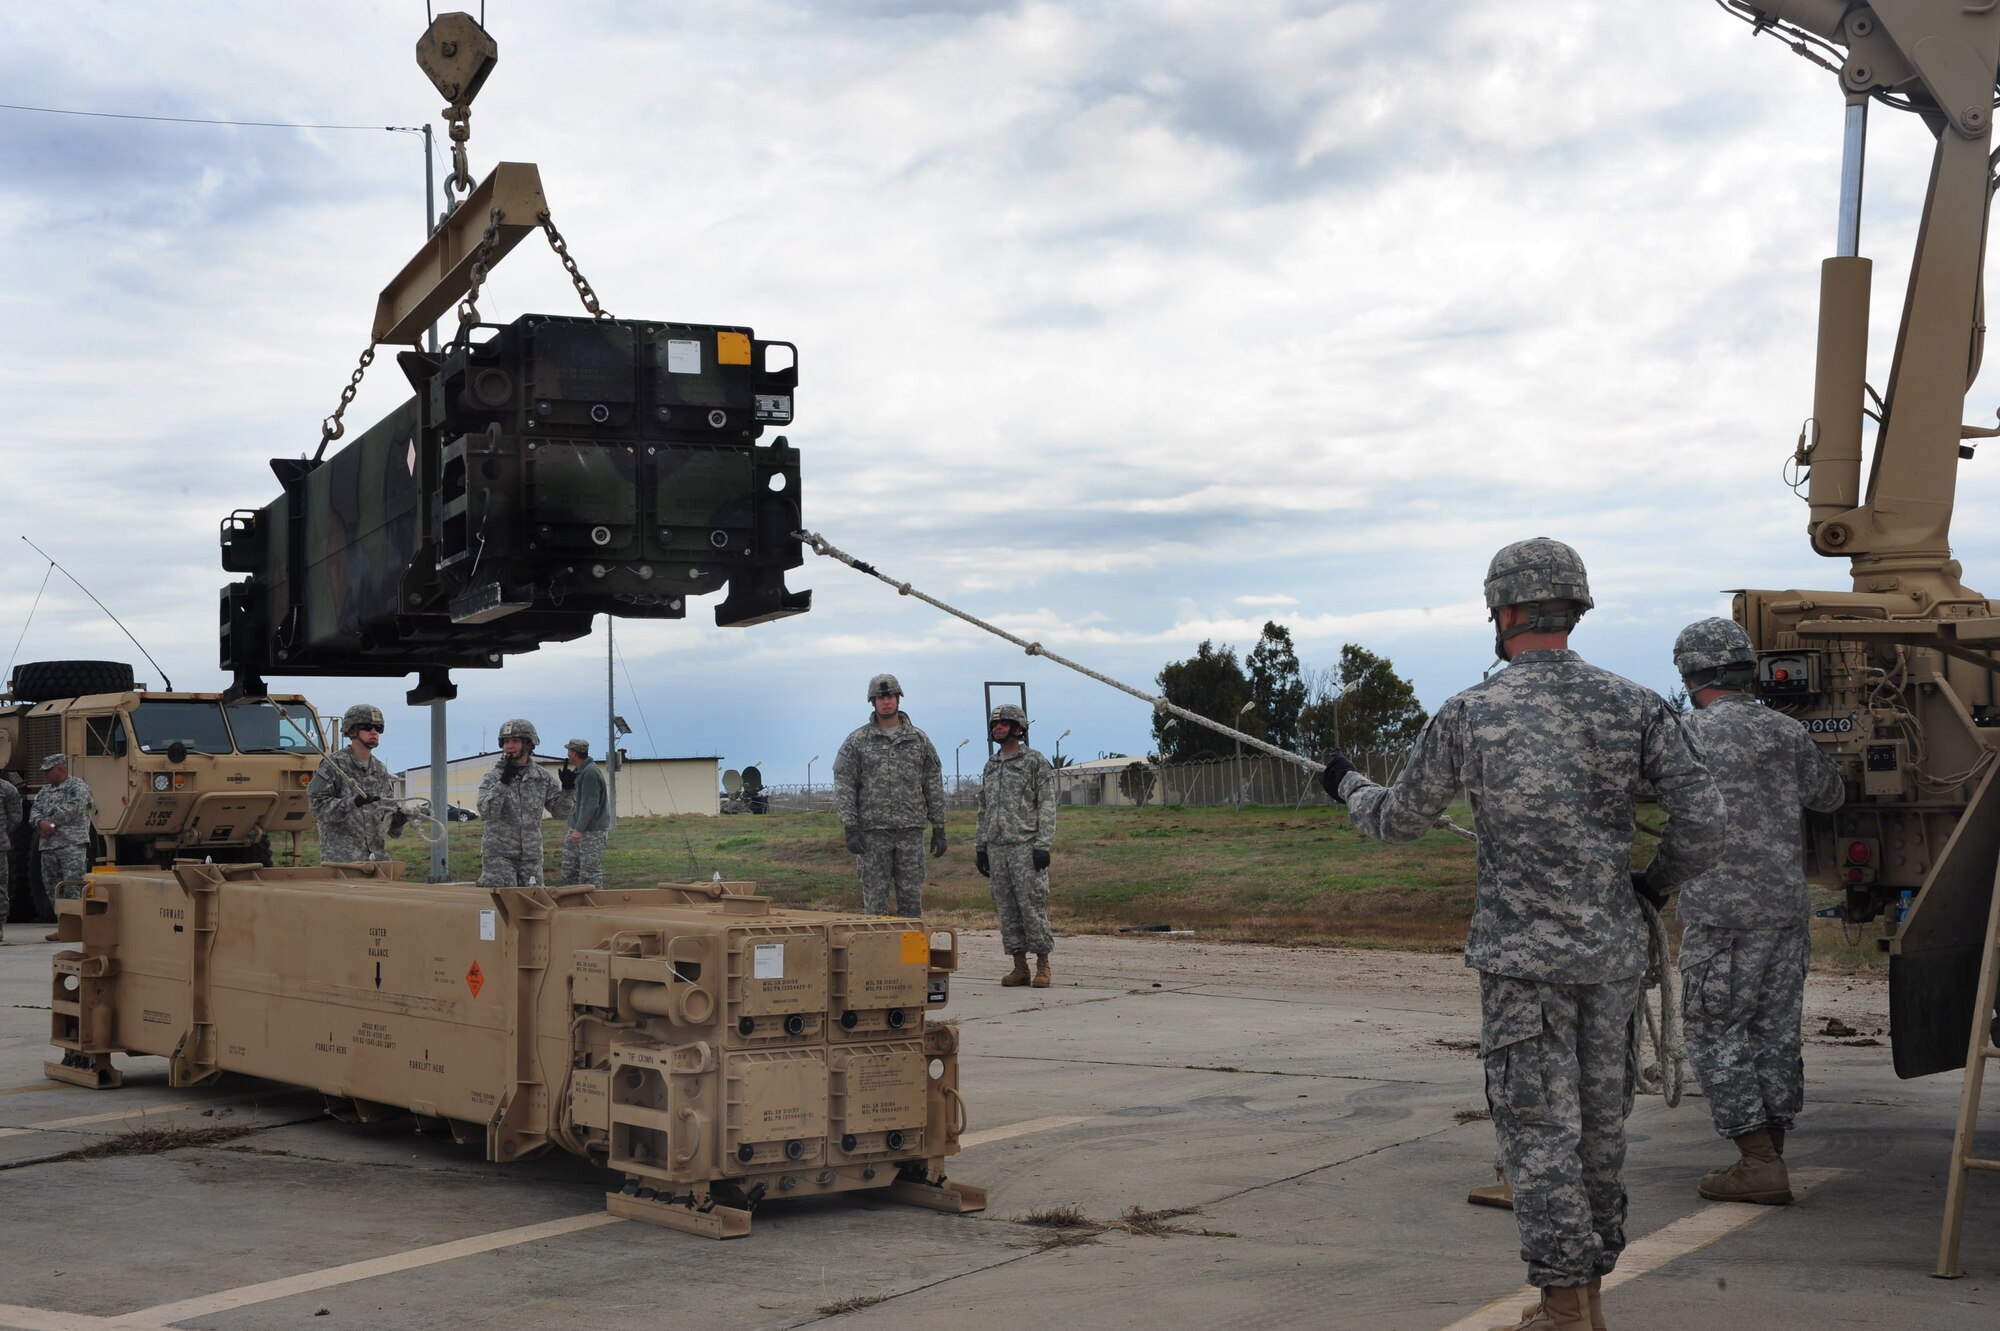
x=582 y=283
x=331 y=428
x=482 y=255
x=458 y=121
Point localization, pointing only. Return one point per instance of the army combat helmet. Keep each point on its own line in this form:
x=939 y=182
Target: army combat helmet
x=1715 y=653
x=360 y=716
x=1544 y=577
x=884 y=686
x=1011 y=714
x=522 y=730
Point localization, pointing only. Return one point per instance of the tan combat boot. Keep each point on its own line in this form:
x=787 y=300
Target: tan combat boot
x=1017 y=977
x=1042 y=977
x=1499 y=1193
x=1563 y=1308
x=1757 y=1176
x=1594 y=1298
x=1777 y=1140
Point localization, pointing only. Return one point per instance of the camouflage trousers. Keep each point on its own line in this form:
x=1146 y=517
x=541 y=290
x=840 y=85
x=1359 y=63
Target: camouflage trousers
x=1021 y=899
x=6 y=903
x=1743 y=998
x=524 y=870
x=1559 y=1080
x=62 y=875
x=338 y=848
x=892 y=864
x=583 y=859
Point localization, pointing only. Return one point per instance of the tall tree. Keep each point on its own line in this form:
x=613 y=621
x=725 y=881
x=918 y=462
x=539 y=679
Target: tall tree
x=1361 y=706
x=1276 y=685
x=1210 y=683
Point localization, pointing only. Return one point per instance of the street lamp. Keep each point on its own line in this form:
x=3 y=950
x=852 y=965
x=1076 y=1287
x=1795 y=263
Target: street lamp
x=957 y=781
x=1239 y=753
x=809 y=774
x=1059 y=739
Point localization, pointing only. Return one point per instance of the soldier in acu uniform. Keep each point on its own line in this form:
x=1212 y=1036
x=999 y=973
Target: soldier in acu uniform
x=352 y=794
x=512 y=798
x=1745 y=944
x=887 y=783
x=1551 y=753
x=62 y=821
x=1017 y=825
x=589 y=821
x=10 y=820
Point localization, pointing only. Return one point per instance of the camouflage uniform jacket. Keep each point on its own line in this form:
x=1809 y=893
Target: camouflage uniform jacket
x=513 y=809
x=1551 y=753
x=10 y=814
x=1768 y=769
x=345 y=830
x=593 y=808
x=1017 y=800
x=886 y=779
x=68 y=807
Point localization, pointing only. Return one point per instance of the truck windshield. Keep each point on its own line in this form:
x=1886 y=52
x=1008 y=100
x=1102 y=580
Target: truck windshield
x=263 y=727
x=198 y=725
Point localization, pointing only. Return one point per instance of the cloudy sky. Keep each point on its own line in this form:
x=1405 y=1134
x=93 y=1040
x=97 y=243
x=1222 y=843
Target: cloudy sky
x=1124 y=325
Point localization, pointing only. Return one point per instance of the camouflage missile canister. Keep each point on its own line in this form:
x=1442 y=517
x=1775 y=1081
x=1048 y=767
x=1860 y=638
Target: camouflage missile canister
x=551 y=470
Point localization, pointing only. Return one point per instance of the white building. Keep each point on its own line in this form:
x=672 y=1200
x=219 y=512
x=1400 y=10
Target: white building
x=647 y=787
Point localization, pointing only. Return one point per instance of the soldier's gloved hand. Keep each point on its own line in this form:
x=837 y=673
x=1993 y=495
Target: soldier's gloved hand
x=397 y=822
x=981 y=863
x=1656 y=897
x=567 y=775
x=1337 y=766
x=938 y=843
x=1041 y=859
x=363 y=801
x=854 y=841
x=511 y=771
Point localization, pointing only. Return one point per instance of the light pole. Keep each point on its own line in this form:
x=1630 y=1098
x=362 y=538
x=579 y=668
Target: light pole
x=958 y=781
x=809 y=774
x=1165 y=788
x=1240 y=712
x=1059 y=739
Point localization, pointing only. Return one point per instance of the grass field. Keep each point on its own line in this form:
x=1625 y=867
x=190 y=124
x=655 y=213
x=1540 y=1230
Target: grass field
x=1262 y=875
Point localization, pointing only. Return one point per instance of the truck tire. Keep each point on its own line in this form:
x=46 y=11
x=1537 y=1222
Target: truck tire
x=38 y=681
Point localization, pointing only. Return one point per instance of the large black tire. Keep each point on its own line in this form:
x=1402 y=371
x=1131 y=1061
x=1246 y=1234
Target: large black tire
x=38 y=681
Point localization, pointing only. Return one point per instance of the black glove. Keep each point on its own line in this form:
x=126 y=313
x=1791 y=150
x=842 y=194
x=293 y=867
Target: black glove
x=397 y=822
x=567 y=775
x=363 y=801
x=1656 y=897
x=1041 y=859
x=854 y=841
x=511 y=770
x=1337 y=767
x=981 y=863
x=938 y=842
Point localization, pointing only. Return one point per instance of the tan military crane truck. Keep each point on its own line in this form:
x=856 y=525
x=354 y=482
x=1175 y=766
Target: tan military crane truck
x=1895 y=675
x=173 y=775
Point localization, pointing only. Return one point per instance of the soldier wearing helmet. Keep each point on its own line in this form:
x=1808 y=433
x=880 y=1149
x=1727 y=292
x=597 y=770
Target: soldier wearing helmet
x=1744 y=942
x=887 y=783
x=513 y=796
x=1552 y=752
x=352 y=795
x=589 y=821
x=1017 y=825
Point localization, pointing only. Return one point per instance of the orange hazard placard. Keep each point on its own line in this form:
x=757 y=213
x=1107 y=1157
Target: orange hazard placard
x=916 y=949
x=474 y=978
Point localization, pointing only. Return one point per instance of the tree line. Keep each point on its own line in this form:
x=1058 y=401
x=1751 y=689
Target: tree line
x=1358 y=704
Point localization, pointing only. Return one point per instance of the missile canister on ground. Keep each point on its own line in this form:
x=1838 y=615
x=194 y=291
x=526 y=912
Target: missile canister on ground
x=713 y=1049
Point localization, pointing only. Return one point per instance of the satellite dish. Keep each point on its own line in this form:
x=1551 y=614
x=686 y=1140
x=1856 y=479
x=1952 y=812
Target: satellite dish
x=753 y=780
x=732 y=781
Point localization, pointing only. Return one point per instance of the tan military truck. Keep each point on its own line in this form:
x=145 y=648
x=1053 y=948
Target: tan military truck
x=174 y=775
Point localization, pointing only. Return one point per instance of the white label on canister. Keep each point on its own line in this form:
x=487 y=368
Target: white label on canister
x=488 y=925
x=683 y=357
x=768 y=961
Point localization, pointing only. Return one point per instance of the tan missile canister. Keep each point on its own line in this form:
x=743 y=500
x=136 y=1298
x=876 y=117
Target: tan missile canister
x=713 y=1049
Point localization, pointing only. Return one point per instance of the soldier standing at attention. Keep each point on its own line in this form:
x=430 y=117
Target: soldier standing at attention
x=10 y=819
x=1017 y=825
x=1744 y=942
x=1551 y=752
x=589 y=821
x=352 y=792
x=62 y=820
x=887 y=782
x=512 y=798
